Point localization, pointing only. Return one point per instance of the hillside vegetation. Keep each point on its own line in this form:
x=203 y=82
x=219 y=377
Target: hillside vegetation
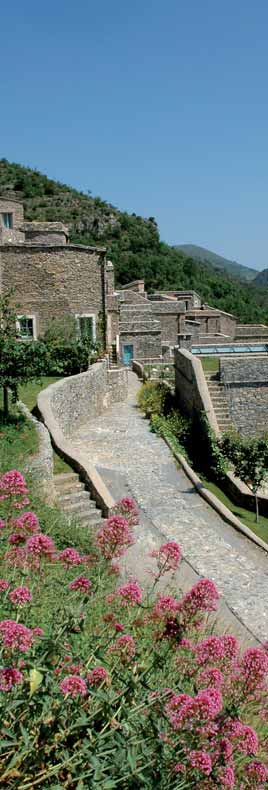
x=218 y=261
x=132 y=242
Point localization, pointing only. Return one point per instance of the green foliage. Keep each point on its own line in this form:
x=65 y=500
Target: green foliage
x=249 y=458
x=61 y=330
x=205 y=450
x=153 y=398
x=132 y=242
x=67 y=352
x=19 y=361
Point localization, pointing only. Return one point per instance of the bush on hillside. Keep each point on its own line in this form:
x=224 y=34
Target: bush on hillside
x=108 y=685
x=154 y=398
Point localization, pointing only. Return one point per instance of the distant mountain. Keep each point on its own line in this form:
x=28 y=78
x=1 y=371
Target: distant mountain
x=217 y=261
x=262 y=278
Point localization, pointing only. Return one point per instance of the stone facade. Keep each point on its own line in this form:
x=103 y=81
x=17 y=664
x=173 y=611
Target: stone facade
x=50 y=277
x=52 y=281
x=246 y=387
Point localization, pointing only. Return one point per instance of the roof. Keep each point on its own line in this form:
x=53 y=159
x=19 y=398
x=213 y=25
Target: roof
x=46 y=226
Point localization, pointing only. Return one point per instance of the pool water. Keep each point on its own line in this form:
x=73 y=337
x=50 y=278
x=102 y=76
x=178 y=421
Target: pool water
x=245 y=349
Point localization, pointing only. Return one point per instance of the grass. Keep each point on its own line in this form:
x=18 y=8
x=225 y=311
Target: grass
x=28 y=394
x=210 y=365
x=247 y=516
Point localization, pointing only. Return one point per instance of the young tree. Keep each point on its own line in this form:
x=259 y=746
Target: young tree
x=19 y=362
x=249 y=458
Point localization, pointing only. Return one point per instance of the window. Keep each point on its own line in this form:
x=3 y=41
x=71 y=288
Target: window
x=87 y=327
x=7 y=220
x=26 y=329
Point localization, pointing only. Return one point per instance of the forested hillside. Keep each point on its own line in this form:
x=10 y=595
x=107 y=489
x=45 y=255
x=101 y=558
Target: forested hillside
x=133 y=243
x=218 y=262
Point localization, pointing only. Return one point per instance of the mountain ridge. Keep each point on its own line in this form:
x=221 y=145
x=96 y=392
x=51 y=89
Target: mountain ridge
x=218 y=261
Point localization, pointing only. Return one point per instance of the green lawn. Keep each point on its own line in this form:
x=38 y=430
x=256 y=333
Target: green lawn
x=210 y=364
x=28 y=394
x=247 y=516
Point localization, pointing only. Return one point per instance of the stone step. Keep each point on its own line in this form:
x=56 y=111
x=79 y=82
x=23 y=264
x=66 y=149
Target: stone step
x=65 y=477
x=90 y=521
x=77 y=506
x=72 y=497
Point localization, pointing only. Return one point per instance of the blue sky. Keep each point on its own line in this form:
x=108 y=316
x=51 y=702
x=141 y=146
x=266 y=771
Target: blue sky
x=158 y=107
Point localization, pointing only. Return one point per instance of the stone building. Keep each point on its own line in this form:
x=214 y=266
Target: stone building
x=49 y=276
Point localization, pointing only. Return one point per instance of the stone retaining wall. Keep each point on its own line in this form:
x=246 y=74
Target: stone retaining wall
x=246 y=385
x=191 y=387
x=74 y=401
x=41 y=465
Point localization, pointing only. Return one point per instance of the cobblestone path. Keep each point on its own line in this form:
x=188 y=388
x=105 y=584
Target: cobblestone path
x=133 y=461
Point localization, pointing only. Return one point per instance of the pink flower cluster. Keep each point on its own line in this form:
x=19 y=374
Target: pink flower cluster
x=13 y=485
x=73 y=686
x=97 y=676
x=70 y=557
x=183 y=710
x=131 y=593
x=114 y=537
x=216 y=648
x=20 y=596
x=26 y=523
x=127 y=508
x=201 y=761
x=9 y=677
x=124 y=647
x=4 y=584
x=168 y=557
x=203 y=597
x=81 y=583
x=16 y=636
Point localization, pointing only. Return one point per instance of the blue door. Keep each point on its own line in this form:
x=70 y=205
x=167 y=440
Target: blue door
x=127 y=355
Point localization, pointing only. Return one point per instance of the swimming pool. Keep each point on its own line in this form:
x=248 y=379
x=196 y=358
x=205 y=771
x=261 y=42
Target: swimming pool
x=258 y=348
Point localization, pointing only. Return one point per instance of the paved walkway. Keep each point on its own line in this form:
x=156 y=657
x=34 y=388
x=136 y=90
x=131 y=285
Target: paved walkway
x=133 y=461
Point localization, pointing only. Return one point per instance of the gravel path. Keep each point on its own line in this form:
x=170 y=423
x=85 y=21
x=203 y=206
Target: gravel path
x=133 y=461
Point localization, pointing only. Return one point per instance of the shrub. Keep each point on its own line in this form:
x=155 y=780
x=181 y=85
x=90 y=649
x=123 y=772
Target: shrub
x=120 y=690
x=153 y=398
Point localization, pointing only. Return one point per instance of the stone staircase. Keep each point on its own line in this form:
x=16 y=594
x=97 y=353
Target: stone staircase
x=75 y=501
x=219 y=402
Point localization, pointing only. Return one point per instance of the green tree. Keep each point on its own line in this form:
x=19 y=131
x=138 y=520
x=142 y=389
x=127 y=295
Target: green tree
x=249 y=458
x=19 y=361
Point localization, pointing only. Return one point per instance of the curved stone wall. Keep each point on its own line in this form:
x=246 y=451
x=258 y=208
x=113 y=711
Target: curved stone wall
x=74 y=401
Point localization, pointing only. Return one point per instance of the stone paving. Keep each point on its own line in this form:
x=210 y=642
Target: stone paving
x=133 y=461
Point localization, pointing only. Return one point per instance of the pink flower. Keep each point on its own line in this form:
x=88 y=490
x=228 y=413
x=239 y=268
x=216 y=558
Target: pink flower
x=80 y=583
x=227 y=777
x=168 y=556
x=127 y=508
x=73 y=685
x=3 y=585
x=231 y=646
x=27 y=522
x=184 y=711
x=12 y=484
x=165 y=606
x=2 y=524
x=201 y=761
x=257 y=771
x=254 y=668
x=97 y=676
x=210 y=649
x=203 y=597
x=130 y=592
x=248 y=740
x=179 y=768
x=124 y=647
x=38 y=631
x=16 y=557
x=119 y=627
x=40 y=546
x=20 y=596
x=114 y=538
x=9 y=677
x=16 y=539
x=16 y=636
x=210 y=677
x=69 y=557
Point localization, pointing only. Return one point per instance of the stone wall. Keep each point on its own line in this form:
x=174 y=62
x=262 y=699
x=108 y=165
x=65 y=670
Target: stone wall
x=14 y=235
x=53 y=281
x=246 y=386
x=146 y=344
x=41 y=465
x=251 y=332
x=79 y=399
x=191 y=388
